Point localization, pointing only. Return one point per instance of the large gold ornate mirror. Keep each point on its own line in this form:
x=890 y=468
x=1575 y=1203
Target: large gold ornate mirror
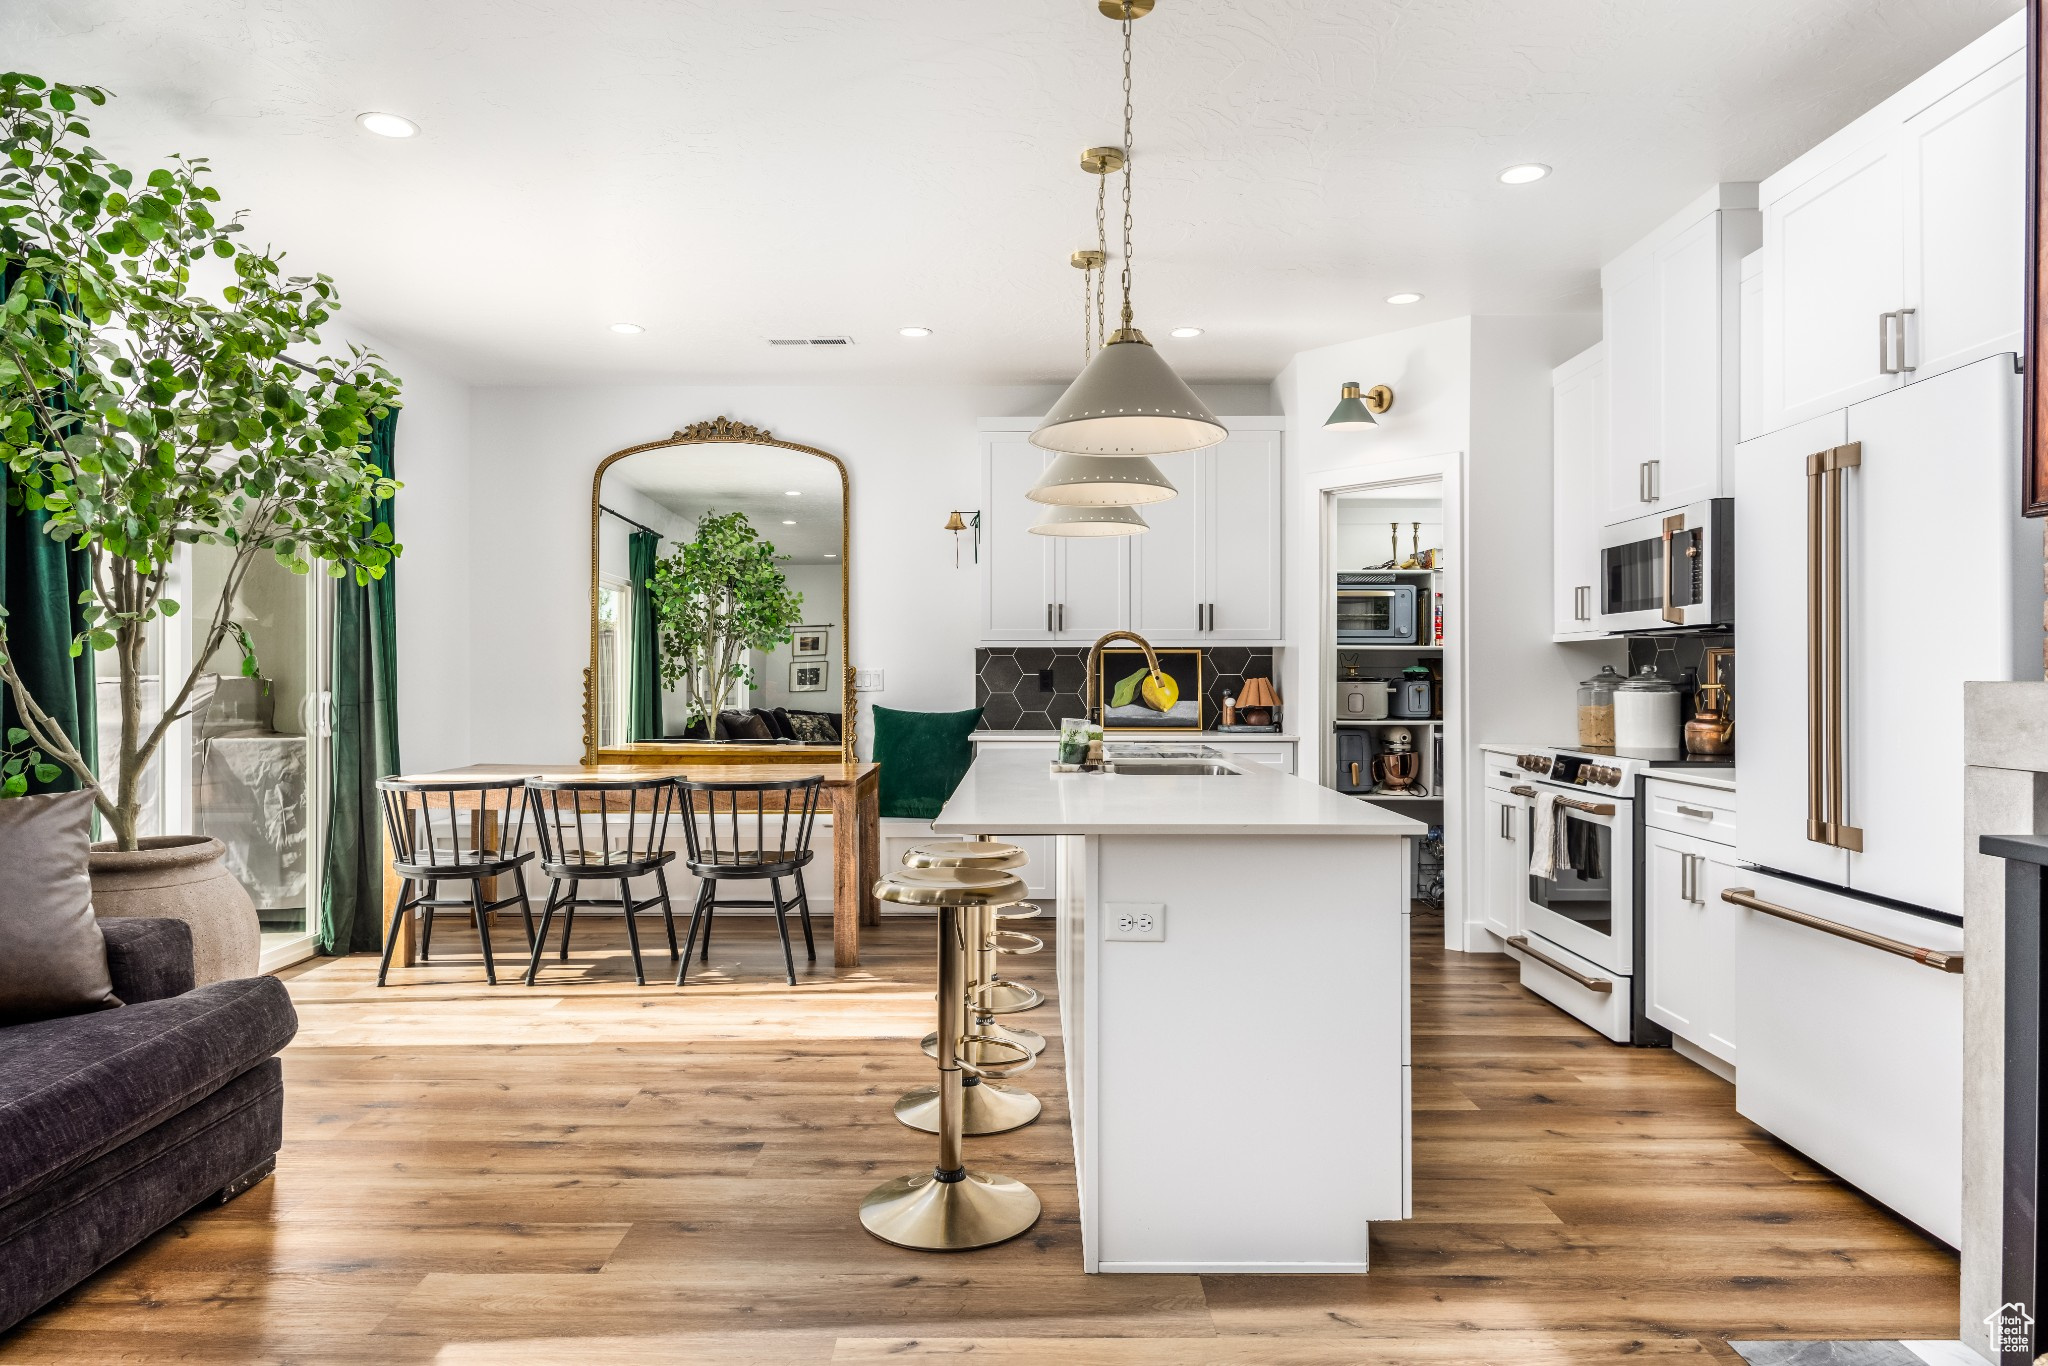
x=718 y=602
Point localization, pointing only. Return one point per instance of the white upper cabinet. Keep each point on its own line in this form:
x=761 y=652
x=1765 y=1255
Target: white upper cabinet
x=1672 y=323
x=1894 y=251
x=1207 y=572
x=1041 y=588
x=1578 y=416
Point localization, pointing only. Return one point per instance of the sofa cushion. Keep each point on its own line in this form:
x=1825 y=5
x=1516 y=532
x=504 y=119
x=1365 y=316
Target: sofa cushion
x=52 y=958
x=813 y=727
x=73 y=1089
x=924 y=755
x=149 y=957
x=744 y=725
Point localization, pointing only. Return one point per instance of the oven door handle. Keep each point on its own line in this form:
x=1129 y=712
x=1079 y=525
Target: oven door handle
x=1572 y=803
x=1600 y=984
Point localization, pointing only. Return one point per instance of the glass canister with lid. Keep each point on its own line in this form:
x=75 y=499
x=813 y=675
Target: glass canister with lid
x=1596 y=708
x=1646 y=712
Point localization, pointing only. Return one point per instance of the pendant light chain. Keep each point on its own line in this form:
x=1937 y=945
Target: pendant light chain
x=1102 y=247
x=1127 y=166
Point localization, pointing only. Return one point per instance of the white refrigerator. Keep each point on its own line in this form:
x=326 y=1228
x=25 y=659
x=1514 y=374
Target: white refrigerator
x=1881 y=562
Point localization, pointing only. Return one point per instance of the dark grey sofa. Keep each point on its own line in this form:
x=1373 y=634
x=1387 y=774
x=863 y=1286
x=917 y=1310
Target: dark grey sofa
x=116 y=1122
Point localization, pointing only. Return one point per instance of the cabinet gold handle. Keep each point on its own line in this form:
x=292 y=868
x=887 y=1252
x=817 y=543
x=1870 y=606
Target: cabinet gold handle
x=1931 y=958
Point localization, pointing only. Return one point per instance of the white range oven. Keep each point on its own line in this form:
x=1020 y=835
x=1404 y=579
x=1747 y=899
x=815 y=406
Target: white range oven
x=1581 y=946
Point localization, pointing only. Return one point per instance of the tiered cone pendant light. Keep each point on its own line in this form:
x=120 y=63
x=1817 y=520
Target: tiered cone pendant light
x=1127 y=403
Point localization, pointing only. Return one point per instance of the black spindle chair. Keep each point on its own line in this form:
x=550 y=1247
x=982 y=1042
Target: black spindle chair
x=604 y=832
x=750 y=832
x=467 y=831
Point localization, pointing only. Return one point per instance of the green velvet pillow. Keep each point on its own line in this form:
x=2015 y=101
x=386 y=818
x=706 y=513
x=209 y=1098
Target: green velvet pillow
x=924 y=755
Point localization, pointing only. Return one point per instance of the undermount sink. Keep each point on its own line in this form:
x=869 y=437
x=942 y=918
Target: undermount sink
x=1173 y=768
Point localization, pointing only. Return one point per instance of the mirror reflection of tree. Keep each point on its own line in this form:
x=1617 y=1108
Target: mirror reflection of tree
x=717 y=597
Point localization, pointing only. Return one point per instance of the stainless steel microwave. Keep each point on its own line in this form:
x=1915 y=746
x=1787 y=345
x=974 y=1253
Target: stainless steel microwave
x=1670 y=571
x=1375 y=609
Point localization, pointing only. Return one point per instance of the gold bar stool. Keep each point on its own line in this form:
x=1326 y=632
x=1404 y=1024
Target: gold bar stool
x=983 y=939
x=949 y=1208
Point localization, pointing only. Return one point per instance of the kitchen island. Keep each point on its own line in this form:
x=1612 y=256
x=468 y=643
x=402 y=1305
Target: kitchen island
x=1232 y=953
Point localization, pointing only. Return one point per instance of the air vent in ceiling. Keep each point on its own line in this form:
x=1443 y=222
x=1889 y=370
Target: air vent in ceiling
x=810 y=341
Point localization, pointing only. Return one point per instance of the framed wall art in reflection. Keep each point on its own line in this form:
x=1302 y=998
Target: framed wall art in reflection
x=811 y=642
x=806 y=676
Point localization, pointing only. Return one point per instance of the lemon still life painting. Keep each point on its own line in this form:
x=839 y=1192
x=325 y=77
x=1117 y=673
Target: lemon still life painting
x=1136 y=699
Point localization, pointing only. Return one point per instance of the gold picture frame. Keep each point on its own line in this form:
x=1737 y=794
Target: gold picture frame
x=1183 y=666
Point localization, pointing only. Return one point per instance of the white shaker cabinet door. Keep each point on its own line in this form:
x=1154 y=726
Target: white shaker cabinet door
x=1689 y=949
x=1965 y=222
x=1691 y=305
x=1834 y=263
x=1240 y=495
x=1632 y=322
x=1094 y=585
x=1018 y=570
x=1505 y=863
x=1167 y=561
x=1770 y=640
x=1578 y=440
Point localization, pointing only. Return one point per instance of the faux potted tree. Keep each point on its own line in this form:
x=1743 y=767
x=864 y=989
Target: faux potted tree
x=147 y=402
x=716 y=597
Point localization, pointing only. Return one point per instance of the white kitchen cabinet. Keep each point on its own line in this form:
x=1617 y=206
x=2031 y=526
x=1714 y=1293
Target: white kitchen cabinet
x=1208 y=572
x=1671 y=316
x=1042 y=588
x=1578 y=415
x=1504 y=862
x=1690 y=967
x=1894 y=250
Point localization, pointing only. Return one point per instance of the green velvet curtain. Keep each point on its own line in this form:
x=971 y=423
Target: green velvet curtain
x=643 y=682
x=40 y=580
x=364 y=745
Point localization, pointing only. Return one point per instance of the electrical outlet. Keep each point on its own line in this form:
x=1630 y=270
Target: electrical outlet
x=867 y=680
x=1141 y=921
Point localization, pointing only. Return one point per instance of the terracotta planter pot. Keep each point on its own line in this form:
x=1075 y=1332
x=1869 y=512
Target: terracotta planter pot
x=183 y=877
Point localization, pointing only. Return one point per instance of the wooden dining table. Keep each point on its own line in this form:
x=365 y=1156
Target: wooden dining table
x=849 y=795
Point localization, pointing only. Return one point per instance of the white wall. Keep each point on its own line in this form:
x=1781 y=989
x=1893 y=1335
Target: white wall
x=819 y=585
x=911 y=457
x=435 y=575
x=1471 y=406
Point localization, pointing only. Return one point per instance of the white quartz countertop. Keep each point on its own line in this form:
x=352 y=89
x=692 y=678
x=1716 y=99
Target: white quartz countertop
x=1207 y=737
x=1019 y=794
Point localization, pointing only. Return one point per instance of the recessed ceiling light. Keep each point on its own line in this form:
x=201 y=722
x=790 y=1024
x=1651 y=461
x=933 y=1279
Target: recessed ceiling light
x=792 y=493
x=913 y=331
x=831 y=554
x=1187 y=332
x=388 y=125
x=787 y=522
x=627 y=329
x=1527 y=172
x=1404 y=298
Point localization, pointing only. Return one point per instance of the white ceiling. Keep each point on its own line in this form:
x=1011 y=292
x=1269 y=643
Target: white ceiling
x=723 y=173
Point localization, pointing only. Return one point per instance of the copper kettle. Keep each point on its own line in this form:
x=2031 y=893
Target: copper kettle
x=1712 y=728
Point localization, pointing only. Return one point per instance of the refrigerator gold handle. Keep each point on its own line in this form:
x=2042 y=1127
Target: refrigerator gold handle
x=1816 y=634
x=1841 y=834
x=1747 y=898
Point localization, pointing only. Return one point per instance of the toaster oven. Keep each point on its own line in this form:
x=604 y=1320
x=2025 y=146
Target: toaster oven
x=1375 y=609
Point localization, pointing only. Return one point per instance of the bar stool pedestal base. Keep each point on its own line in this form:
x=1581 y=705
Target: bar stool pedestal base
x=1004 y=997
x=1023 y=1038
x=920 y=1211
x=985 y=1108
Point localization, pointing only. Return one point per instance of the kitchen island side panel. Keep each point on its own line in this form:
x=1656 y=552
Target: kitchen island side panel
x=1246 y=1073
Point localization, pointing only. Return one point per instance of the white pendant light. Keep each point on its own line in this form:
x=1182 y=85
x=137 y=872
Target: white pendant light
x=1128 y=401
x=1101 y=481
x=1089 y=521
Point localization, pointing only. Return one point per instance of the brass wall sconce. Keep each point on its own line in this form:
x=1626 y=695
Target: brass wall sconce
x=957 y=522
x=1357 y=412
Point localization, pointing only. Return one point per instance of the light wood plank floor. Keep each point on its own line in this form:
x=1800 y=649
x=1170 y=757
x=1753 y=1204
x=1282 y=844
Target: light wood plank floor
x=592 y=1173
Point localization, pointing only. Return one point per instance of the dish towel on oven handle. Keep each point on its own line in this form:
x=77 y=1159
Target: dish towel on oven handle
x=1546 y=838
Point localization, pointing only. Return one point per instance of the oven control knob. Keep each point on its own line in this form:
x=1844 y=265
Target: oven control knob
x=1610 y=776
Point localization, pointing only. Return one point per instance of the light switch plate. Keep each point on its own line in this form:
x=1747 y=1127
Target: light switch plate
x=1136 y=921
x=867 y=680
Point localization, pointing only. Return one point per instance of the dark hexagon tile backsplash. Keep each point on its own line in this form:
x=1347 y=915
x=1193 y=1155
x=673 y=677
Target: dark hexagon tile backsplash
x=1036 y=687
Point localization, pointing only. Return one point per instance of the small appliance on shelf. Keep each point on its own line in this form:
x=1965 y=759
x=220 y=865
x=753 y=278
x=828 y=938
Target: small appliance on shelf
x=1377 y=609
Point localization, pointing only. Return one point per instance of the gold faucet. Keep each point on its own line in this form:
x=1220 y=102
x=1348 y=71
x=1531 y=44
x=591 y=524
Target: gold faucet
x=1095 y=668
